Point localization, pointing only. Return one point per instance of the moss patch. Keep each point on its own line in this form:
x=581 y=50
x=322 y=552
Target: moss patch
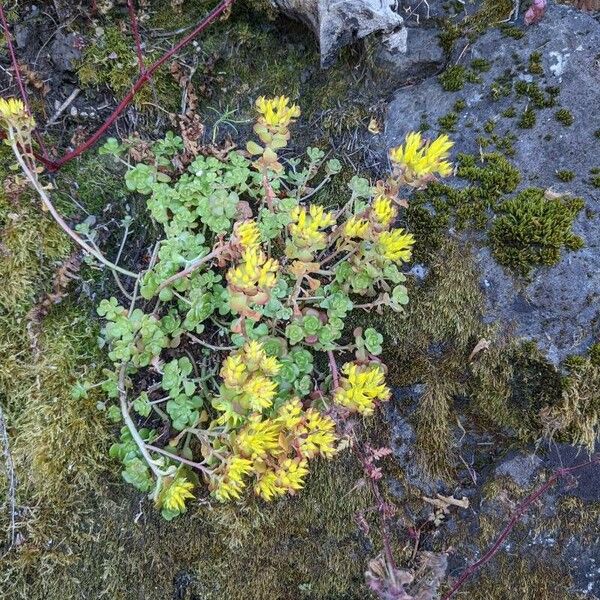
x=532 y=230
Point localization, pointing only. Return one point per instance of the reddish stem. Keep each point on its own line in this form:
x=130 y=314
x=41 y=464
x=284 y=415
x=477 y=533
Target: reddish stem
x=55 y=165
x=519 y=512
x=17 y=72
x=136 y=35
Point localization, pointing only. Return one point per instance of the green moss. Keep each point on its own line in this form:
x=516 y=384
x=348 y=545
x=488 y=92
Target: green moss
x=538 y=98
x=489 y=126
x=111 y=61
x=575 y=419
x=535 y=64
x=565 y=175
x=511 y=382
x=532 y=230
x=564 y=116
x=501 y=87
x=527 y=119
x=448 y=122
x=442 y=205
x=595 y=179
x=455 y=77
x=510 y=576
x=510 y=112
x=511 y=31
x=459 y=105
x=480 y=65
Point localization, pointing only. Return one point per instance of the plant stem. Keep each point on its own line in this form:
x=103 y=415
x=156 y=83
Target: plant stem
x=196 y=264
x=180 y=459
x=334 y=369
x=131 y=425
x=33 y=180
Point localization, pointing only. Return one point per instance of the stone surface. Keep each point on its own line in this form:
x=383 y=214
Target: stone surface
x=419 y=54
x=64 y=51
x=337 y=23
x=558 y=308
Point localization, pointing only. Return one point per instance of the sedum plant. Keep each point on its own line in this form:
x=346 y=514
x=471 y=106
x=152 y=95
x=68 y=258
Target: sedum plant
x=226 y=358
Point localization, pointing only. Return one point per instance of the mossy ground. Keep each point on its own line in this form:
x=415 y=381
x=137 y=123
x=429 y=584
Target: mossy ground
x=84 y=533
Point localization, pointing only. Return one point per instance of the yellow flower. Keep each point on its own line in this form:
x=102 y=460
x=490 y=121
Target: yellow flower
x=356 y=228
x=176 y=494
x=320 y=435
x=268 y=486
x=361 y=387
x=418 y=159
x=306 y=227
x=248 y=234
x=259 y=438
x=384 y=210
x=276 y=112
x=232 y=483
x=291 y=474
x=234 y=371
x=270 y=366
x=254 y=271
x=396 y=245
x=13 y=113
x=290 y=413
x=260 y=392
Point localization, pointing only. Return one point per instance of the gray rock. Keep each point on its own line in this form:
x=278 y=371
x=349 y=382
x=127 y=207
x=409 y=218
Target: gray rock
x=64 y=51
x=521 y=469
x=337 y=23
x=559 y=307
x=418 y=54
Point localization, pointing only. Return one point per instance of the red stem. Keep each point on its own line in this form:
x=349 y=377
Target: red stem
x=520 y=510
x=55 y=165
x=17 y=72
x=136 y=35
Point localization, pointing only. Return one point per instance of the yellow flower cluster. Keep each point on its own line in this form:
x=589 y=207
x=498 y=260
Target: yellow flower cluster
x=356 y=227
x=275 y=452
x=255 y=272
x=306 y=230
x=173 y=497
x=276 y=113
x=418 y=159
x=396 y=245
x=361 y=387
x=14 y=114
x=247 y=234
x=384 y=210
x=248 y=386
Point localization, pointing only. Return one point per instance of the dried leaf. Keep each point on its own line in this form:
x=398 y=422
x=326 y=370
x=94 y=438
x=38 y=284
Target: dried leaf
x=481 y=345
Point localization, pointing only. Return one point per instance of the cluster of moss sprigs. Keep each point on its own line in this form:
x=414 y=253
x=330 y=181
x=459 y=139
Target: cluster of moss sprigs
x=511 y=382
x=576 y=418
x=501 y=87
x=510 y=112
x=511 y=31
x=532 y=229
x=565 y=175
x=564 y=116
x=595 y=177
x=432 y=211
x=535 y=64
x=537 y=97
x=511 y=576
x=448 y=122
x=480 y=65
x=455 y=77
x=446 y=316
x=527 y=119
x=111 y=61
